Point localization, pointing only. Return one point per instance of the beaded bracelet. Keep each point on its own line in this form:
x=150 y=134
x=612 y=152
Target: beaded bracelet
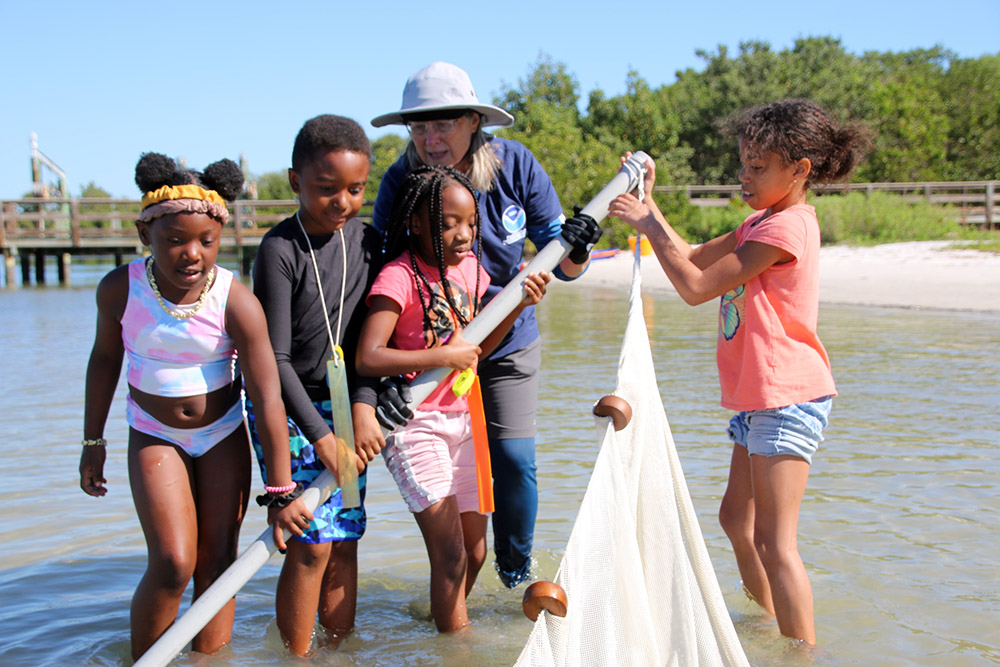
x=96 y=442
x=280 y=490
x=277 y=501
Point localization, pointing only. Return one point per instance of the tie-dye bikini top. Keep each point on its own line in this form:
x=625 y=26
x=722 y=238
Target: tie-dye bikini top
x=172 y=357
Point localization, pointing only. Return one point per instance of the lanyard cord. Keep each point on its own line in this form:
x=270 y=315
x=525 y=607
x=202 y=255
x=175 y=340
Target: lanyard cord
x=334 y=344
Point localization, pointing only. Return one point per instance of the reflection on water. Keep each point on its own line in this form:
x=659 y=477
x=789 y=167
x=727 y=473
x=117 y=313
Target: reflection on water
x=898 y=527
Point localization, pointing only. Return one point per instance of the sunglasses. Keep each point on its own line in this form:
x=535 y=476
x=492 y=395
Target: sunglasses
x=440 y=127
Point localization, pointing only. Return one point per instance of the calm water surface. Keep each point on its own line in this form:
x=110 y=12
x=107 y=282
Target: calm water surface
x=899 y=526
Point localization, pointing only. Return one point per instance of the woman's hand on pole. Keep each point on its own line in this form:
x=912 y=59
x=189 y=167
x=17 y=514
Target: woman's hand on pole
x=582 y=232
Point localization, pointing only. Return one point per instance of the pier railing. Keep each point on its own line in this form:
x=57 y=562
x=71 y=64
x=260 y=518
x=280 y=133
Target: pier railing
x=32 y=228
x=972 y=202
x=81 y=223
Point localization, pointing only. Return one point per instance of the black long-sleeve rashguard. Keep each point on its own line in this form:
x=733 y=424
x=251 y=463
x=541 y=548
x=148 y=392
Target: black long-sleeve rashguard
x=285 y=283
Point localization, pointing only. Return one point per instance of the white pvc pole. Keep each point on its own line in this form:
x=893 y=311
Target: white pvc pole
x=228 y=584
x=253 y=557
x=547 y=259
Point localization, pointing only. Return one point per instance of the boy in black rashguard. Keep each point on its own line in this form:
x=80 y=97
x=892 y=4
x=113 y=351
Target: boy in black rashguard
x=321 y=248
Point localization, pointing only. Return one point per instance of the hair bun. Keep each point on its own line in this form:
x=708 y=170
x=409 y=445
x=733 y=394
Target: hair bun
x=153 y=171
x=225 y=177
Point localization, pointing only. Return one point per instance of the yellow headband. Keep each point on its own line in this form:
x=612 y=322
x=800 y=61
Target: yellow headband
x=169 y=192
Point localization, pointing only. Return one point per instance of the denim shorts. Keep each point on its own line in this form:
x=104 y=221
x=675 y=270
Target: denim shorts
x=795 y=429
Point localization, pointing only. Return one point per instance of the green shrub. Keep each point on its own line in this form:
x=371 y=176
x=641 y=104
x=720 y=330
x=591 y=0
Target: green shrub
x=854 y=219
x=709 y=222
x=694 y=223
x=857 y=219
x=984 y=241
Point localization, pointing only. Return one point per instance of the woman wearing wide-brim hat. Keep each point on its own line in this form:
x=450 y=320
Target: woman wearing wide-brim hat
x=445 y=120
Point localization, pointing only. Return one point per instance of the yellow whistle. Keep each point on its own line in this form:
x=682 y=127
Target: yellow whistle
x=463 y=383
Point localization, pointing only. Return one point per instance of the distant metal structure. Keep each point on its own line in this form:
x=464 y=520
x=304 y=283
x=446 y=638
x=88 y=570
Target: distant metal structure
x=249 y=185
x=38 y=186
x=39 y=160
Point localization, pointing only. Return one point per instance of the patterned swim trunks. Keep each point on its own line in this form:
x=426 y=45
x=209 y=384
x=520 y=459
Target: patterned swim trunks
x=331 y=522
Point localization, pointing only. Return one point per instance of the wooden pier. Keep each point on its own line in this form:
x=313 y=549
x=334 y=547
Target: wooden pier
x=35 y=228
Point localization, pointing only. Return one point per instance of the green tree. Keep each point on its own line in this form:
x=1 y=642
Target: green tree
x=109 y=215
x=578 y=165
x=820 y=69
x=933 y=116
x=274 y=185
x=95 y=191
x=641 y=119
x=726 y=86
x=547 y=81
x=385 y=150
x=546 y=121
x=970 y=91
x=908 y=116
x=817 y=68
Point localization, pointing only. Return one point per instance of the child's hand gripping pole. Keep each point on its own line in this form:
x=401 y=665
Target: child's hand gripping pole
x=343 y=425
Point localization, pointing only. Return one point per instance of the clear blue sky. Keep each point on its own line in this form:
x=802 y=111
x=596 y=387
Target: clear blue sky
x=102 y=82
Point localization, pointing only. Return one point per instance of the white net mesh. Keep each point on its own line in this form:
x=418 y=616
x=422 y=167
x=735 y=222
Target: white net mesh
x=637 y=575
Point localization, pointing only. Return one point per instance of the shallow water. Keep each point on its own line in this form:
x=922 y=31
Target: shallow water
x=898 y=528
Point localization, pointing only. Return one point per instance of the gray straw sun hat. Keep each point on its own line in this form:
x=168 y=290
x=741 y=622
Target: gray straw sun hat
x=442 y=87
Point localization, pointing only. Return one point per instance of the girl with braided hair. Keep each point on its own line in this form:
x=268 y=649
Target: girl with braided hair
x=193 y=336
x=420 y=302
x=446 y=124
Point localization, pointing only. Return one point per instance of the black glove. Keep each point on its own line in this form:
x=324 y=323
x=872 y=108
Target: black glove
x=392 y=409
x=583 y=232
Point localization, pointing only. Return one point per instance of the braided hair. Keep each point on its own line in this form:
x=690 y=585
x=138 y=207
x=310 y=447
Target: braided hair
x=421 y=191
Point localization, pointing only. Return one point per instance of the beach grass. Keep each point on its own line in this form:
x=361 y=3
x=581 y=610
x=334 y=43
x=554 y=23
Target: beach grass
x=982 y=245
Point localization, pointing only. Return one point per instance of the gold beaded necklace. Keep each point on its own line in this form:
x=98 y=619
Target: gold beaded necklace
x=188 y=312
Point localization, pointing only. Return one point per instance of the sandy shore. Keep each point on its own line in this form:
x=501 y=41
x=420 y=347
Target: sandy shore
x=928 y=274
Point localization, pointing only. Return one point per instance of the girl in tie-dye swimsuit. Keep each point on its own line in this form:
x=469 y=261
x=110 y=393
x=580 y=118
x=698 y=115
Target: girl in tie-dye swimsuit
x=184 y=322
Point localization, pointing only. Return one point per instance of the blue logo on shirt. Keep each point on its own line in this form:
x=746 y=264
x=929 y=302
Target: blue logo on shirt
x=513 y=218
x=514 y=221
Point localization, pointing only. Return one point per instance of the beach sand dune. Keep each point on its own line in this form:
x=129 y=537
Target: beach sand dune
x=925 y=274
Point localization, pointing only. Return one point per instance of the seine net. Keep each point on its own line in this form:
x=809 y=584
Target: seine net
x=637 y=575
